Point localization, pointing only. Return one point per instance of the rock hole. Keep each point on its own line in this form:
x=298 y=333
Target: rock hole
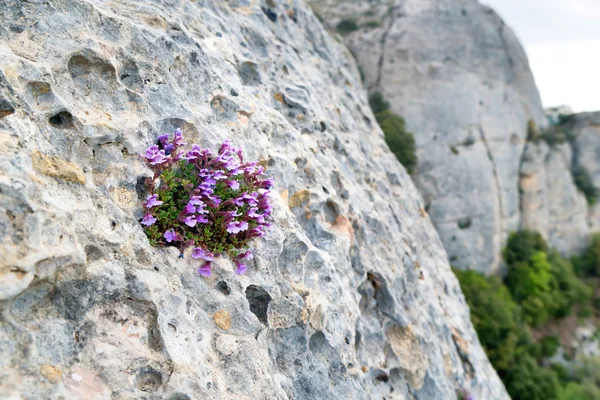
x=92 y=253
x=465 y=223
x=249 y=74
x=179 y=396
x=148 y=380
x=62 y=120
x=259 y=299
x=223 y=288
x=331 y=211
x=318 y=343
x=323 y=126
x=6 y=108
x=382 y=376
x=270 y=14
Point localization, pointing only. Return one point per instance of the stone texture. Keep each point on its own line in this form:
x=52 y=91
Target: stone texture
x=460 y=78
x=585 y=127
x=349 y=284
x=550 y=201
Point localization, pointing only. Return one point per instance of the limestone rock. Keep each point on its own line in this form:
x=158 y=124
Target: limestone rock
x=461 y=80
x=325 y=308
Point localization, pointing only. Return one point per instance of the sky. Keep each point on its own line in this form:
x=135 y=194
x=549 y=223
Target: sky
x=562 y=40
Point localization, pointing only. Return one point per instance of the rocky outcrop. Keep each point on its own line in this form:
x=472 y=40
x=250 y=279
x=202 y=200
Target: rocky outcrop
x=585 y=132
x=460 y=78
x=350 y=295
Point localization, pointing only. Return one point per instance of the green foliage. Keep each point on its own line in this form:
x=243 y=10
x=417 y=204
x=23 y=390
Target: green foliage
x=527 y=380
x=539 y=285
x=585 y=312
x=576 y=391
x=522 y=245
x=588 y=264
x=378 y=103
x=532 y=131
x=495 y=317
x=372 y=24
x=400 y=142
x=584 y=183
x=541 y=281
x=555 y=135
x=346 y=26
x=548 y=346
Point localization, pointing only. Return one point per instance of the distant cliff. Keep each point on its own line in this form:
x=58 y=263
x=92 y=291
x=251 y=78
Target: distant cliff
x=461 y=80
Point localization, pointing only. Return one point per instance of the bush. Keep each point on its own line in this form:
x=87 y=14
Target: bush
x=548 y=346
x=378 y=103
x=588 y=264
x=584 y=183
x=495 y=316
x=541 y=281
x=400 y=142
x=522 y=245
x=526 y=380
x=346 y=26
x=214 y=203
x=576 y=391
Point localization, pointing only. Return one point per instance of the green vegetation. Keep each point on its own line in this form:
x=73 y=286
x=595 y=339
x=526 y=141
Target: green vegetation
x=372 y=24
x=540 y=285
x=584 y=183
x=588 y=264
x=346 y=26
x=401 y=142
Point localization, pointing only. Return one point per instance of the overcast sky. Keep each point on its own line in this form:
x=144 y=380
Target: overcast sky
x=562 y=39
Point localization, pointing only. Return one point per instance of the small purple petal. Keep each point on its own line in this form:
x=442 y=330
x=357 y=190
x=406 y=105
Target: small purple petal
x=171 y=235
x=235 y=185
x=190 y=221
x=153 y=201
x=148 y=220
x=205 y=270
x=241 y=268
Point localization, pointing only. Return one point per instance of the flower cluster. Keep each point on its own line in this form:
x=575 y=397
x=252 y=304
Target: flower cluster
x=214 y=203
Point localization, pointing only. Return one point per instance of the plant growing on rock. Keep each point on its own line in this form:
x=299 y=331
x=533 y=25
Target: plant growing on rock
x=214 y=203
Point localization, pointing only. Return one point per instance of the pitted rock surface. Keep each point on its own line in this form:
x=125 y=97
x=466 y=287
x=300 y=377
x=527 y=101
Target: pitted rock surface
x=350 y=295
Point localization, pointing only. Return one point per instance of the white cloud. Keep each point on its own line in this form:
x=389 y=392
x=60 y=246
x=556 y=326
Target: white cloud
x=562 y=39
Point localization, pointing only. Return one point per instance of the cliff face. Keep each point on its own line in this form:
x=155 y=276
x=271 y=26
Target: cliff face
x=350 y=294
x=461 y=79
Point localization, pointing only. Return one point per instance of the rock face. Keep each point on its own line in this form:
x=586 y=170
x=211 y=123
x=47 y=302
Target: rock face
x=350 y=296
x=585 y=129
x=460 y=78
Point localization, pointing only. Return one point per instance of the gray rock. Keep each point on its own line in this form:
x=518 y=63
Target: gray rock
x=350 y=295
x=462 y=81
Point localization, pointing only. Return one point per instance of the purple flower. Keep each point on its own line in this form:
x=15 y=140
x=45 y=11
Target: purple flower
x=152 y=201
x=199 y=252
x=155 y=156
x=219 y=175
x=240 y=268
x=197 y=201
x=236 y=226
x=164 y=139
x=202 y=219
x=148 y=220
x=189 y=208
x=235 y=185
x=205 y=270
x=171 y=236
x=190 y=221
x=178 y=139
x=246 y=256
